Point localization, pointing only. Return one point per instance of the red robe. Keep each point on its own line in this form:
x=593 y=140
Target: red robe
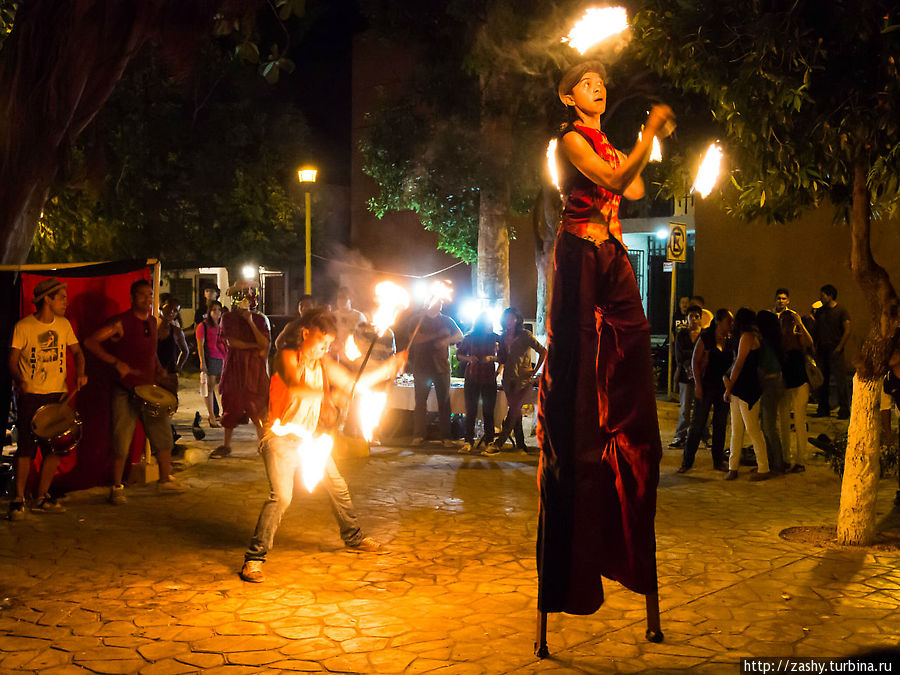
x=244 y=385
x=597 y=423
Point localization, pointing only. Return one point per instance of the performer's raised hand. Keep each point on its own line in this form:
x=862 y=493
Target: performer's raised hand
x=661 y=122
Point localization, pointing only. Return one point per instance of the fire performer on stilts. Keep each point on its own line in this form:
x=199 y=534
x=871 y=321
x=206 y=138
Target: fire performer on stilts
x=598 y=428
x=301 y=399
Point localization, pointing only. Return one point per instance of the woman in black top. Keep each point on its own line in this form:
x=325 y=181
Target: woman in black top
x=742 y=390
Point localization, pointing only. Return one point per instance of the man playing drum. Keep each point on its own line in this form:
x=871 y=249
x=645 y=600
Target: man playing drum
x=37 y=362
x=131 y=350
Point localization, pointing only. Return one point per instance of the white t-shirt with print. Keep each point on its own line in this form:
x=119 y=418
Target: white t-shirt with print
x=42 y=358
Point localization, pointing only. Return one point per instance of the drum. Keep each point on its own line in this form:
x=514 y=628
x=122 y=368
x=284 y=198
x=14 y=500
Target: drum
x=156 y=401
x=57 y=428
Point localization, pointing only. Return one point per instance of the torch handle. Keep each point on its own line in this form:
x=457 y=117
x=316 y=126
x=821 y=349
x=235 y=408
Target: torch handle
x=415 y=332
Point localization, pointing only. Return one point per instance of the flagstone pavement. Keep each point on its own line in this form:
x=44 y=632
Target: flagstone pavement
x=151 y=586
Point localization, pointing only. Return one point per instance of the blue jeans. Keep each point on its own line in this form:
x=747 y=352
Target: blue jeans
x=686 y=398
x=282 y=468
x=702 y=406
x=422 y=381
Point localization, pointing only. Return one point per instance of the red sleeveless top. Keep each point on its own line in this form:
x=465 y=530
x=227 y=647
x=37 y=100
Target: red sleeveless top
x=587 y=205
x=136 y=347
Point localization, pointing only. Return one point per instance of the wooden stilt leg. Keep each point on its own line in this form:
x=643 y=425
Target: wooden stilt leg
x=654 y=630
x=540 y=642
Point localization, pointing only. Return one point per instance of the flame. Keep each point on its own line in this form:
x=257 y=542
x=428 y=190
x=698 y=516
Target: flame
x=391 y=299
x=440 y=290
x=351 y=351
x=371 y=405
x=314 y=451
x=597 y=24
x=708 y=173
x=656 y=148
x=552 y=165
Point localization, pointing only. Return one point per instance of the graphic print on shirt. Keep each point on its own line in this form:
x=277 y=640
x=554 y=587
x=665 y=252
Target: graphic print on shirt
x=46 y=356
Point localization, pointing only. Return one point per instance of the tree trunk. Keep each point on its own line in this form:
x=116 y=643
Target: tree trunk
x=58 y=66
x=856 y=519
x=493 y=249
x=544 y=221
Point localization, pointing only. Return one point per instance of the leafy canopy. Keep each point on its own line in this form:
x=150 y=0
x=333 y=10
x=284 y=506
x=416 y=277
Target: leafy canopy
x=799 y=89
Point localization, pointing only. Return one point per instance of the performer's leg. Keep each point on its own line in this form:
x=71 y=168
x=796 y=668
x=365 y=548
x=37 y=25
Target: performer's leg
x=124 y=417
x=160 y=437
x=719 y=423
x=281 y=467
x=341 y=504
x=48 y=471
x=737 y=436
x=698 y=424
x=488 y=403
x=422 y=387
x=470 y=392
x=751 y=423
x=442 y=391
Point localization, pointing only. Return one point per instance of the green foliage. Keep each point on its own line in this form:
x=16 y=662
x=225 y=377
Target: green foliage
x=7 y=14
x=185 y=173
x=799 y=90
x=834 y=453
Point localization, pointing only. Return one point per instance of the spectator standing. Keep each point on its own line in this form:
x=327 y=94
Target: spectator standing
x=685 y=340
x=430 y=364
x=37 y=363
x=171 y=345
x=347 y=321
x=211 y=348
x=772 y=383
x=478 y=350
x=832 y=331
x=307 y=304
x=680 y=317
x=245 y=382
x=710 y=362
x=706 y=317
x=514 y=355
x=796 y=341
x=210 y=294
x=131 y=349
x=742 y=392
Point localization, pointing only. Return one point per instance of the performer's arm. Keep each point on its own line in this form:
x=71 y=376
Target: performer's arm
x=601 y=172
x=635 y=189
x=262 y=340
x=94 y=344
x=17 y=378
x=78 y=356
x=698 y=365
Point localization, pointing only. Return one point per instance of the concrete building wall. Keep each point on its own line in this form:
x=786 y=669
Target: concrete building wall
x=741 y=264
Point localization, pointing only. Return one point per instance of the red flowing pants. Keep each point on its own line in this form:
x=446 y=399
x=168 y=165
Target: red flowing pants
x=598 y=431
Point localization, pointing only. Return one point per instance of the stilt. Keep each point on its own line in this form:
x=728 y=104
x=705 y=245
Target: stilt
x=540 y=642
x=654 y=630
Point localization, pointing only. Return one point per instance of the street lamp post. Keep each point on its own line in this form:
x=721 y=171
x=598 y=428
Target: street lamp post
x=308 y=176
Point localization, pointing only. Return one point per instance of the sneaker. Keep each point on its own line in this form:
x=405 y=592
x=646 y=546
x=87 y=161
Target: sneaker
x=117 y=495
x=220 y=452
x=252 y=572
x=366 y=545
x=682 y=469
x=169 y=487
x=677 y=443
x=49 y=505
x=756 y=477
x=731 y=475
x=465 y=448
x=491 y=449
x=16 y=510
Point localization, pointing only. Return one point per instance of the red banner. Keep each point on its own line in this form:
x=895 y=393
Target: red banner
x=91 y=301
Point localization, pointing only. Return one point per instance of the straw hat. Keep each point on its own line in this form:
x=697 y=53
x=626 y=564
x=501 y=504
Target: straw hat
x=45 y=288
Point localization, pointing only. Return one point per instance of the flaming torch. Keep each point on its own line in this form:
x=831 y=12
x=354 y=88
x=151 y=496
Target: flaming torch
x=708 y=173
x=552 y=166
x=391 y=299
x=655 y=150
x=313 y=450
x=351 y=351
x=597 y=24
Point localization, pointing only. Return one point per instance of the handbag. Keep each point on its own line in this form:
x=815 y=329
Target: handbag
x=813 y=374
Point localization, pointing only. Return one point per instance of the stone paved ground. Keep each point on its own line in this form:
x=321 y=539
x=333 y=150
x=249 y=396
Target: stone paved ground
x=151 y=587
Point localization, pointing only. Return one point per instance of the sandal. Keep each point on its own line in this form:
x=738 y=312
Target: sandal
x=220 y=452
x=214 y=423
